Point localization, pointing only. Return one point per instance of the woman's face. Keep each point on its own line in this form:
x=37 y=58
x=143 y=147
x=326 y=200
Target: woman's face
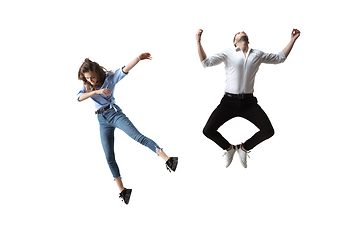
x=91 y=77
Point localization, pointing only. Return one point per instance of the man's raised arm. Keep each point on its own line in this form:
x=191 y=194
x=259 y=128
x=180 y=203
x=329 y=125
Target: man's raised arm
x=294 y=35
x=201 y=51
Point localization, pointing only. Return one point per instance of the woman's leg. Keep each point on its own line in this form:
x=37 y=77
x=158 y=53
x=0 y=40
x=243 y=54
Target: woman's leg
x=162 y=154
x=122 y=122
x=119 y=183
x=107 y=141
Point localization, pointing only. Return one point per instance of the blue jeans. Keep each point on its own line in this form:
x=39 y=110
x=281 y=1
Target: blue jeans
x=111 y=119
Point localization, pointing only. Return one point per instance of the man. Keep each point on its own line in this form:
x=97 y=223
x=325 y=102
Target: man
x=241 y=66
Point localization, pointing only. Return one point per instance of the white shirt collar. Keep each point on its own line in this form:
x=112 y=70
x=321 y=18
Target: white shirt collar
x=239 y=49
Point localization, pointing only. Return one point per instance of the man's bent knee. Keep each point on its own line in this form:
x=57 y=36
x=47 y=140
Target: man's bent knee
x=207 y=132
x=270 y=132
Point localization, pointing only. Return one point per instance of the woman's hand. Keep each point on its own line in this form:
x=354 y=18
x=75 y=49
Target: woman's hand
x=144 y=56
x=132 y=64
x=106 y=92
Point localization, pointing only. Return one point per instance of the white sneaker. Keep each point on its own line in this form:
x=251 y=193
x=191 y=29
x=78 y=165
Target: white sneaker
x=243 y=155
x=229 y=155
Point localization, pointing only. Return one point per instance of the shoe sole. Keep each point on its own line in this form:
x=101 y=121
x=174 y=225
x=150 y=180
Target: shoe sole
x=229 y=163
x=175 y=163
x=232 y=157
x=243 y=164
x=241 y=161
x=127 y=196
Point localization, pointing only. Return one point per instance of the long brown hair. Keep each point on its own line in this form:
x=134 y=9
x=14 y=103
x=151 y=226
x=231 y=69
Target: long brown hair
x=90 y=66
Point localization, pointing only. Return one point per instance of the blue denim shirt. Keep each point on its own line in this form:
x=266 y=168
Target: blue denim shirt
x=110 y=81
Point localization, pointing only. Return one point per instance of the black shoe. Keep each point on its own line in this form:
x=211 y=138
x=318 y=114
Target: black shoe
x=125 y=195
x=171 y=163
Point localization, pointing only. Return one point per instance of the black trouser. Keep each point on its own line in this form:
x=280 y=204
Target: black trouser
x=247 y=108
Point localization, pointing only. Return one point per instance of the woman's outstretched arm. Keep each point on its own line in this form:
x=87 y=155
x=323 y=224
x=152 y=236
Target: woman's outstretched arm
x=132 y=64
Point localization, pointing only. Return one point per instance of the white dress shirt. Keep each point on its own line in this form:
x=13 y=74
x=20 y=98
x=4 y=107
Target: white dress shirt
x=241 y=70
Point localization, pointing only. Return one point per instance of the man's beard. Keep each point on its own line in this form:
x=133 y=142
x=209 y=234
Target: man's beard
x=244 y=38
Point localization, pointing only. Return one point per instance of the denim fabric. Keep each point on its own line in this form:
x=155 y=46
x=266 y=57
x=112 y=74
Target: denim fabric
x=115 y=118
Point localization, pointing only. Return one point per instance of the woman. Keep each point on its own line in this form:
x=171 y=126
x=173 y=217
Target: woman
x=99 y=85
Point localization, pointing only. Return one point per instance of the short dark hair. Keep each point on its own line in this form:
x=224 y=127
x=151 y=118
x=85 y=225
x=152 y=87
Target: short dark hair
x=234 y=38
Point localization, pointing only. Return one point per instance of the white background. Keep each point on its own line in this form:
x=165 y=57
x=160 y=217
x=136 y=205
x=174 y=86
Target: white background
x=301 y=184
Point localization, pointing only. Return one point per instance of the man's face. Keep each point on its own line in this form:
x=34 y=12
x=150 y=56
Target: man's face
x=241 y=36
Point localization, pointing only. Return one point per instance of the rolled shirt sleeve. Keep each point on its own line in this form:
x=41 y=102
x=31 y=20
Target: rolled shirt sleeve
x=119 y=74
x=81 y=92
x=272 y=58
x=214 y=60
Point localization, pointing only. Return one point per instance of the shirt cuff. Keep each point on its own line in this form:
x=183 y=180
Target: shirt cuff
x=282 y=54
x=204 y=62
x=122 y=69
x=79 y=95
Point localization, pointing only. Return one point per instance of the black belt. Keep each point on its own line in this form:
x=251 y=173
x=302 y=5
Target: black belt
x=239 y=96
x=101 y=110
